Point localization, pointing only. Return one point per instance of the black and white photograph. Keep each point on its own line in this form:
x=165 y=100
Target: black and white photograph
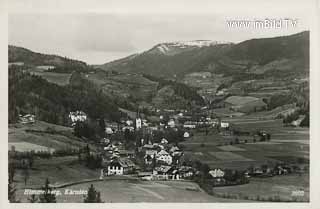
x=159 y=107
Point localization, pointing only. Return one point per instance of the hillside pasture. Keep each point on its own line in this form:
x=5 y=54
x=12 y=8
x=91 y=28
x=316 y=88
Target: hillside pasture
x=61 y=79
x=44 y=134
x=27 y=147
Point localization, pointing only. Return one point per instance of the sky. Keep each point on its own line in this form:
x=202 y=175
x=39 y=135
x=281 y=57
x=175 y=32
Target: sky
x=97 y=38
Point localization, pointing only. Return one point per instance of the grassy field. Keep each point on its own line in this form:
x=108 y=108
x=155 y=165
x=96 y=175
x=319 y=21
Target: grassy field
x=26 y=147
x=58 y=170
x=61 y=79
x=37 y=134
x=264 y=189
x=131 y=191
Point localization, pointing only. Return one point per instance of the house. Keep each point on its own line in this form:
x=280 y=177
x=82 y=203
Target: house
x=224 y=125
x=162 y=172
x=216 y=173
x=138 y=123
x=189 y=125
x=126 y=153
x=186 y=135
x=297 y=122
x=186 y=172
x=174 y=149
x=130 y=128
x=77 y=116
x=164 y=141
x=245 y=104
x=109 y=130
x=105 y=141
x=171 y=123
x=28 y=118
x=120 y=166
x=164 y=156
x=129 y=122
x=46 y=67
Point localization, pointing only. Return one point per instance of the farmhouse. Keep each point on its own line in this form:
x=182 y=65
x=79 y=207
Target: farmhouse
x=120 y=166
x=109 y=130
x=77 y=116
x=224 y=125
x=164 y=157
x=189 y=125
x=245 y=104
x=28 y=118
x=186 y=135
x=162 y=172
x=164 y=141
x=171 y=123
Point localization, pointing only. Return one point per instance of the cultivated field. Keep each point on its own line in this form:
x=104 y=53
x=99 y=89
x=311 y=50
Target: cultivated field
x=287 y=144
x=282 y=188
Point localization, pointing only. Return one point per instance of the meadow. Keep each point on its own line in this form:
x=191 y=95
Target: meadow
x=277 y=188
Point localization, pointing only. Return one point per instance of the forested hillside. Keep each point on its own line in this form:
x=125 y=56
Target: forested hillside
x=52 y=103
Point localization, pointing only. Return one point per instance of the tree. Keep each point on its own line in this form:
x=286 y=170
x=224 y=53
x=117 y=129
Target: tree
x=26 y=175
x=12 y=171
x=47 y=196
x=12 y=192
x=93 y=196
x=33 y=198
x=102 y=126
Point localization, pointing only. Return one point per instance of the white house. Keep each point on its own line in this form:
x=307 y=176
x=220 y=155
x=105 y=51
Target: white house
x=130 y=128
x=186 y=135
x=164 y=156
x=138 y=123
x=129 y=122
x=77 y=116
x=109 y=130
x=171 y=123
x=28 y=118
x=164 y=141
x=224 y=125
x=120 y=166
x=216 y=173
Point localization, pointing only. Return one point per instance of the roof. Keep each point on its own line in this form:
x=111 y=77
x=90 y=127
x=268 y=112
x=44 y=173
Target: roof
x=121 y=151
x=241 y=100
x=163 y=152
x=162 y=168
x=123 y=162
x=149 y=146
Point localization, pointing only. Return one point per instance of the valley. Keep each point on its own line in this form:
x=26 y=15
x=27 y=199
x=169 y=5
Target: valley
x=197 y=121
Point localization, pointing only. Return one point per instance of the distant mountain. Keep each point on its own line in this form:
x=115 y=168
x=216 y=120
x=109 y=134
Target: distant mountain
x=30 y=58
x=256 y=56
x=174 y=48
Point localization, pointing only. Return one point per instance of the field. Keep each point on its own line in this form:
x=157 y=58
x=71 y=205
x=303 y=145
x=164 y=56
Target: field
x=43 y=134
x=131 y=191
x=58 y=170
x=25 y=147
x=264 y=189
x=285 y=141
x=61 y=79
x=124 y=85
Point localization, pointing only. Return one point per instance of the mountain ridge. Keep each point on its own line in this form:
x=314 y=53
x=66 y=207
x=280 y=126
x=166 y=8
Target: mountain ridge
x=226 y=58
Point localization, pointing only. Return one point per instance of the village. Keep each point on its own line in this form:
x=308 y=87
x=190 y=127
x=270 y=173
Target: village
x=151 y=150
